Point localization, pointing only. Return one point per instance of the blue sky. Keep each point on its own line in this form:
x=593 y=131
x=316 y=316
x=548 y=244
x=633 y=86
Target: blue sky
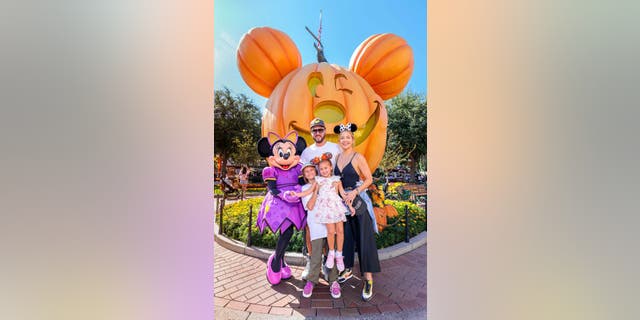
x=345 y=24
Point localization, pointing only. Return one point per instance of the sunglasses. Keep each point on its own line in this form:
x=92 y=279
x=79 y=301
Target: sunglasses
x=317 y=130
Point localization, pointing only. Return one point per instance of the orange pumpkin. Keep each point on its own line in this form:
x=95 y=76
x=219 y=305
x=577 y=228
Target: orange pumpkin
x=386 y=62
x=381 y=218
x=391 y=211
x=269 y=63
x=264 y=57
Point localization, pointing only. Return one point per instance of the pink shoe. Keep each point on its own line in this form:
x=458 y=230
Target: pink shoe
x=308 y=289
x=335 y=290
x=340 y=263
x=273 y=277
x=285 y=270
x=330 y=259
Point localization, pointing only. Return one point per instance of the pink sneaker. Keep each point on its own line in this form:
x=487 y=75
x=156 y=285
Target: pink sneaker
x=330 y=259
x=340 y=263
x=308 y=289
x=335 y=290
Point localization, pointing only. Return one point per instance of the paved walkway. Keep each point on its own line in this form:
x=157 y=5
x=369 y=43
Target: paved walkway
x=241 y=291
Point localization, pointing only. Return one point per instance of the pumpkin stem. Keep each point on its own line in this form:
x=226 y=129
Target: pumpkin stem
x=319 y=47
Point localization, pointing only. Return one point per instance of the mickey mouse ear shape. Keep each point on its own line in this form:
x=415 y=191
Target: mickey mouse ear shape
x=344 y=127
x=385 y=61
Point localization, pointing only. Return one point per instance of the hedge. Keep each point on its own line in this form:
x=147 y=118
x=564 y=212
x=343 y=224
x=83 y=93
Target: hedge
x=236 y=218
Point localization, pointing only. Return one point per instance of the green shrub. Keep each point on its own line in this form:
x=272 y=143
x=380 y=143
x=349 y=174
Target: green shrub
x=394 y=232
x=236 y=219
x=396 y=191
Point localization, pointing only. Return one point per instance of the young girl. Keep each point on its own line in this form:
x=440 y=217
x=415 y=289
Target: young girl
x=318 y=237
x=329 y=209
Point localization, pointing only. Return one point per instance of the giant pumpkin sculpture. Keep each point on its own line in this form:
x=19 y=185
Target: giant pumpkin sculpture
x=380 y=68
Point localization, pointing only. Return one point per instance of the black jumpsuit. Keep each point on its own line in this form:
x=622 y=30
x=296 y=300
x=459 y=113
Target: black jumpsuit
x=358 y=230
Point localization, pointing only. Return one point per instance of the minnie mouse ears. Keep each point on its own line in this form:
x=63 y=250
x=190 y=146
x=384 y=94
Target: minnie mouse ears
x=345 y=127
x=324 y=156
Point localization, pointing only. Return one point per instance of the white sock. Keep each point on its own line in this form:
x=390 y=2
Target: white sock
x=338 y=253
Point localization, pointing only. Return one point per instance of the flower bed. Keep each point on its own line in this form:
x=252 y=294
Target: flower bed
x=236 y=219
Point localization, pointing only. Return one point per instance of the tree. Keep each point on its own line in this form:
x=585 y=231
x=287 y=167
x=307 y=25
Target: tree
x=393 y=157
x=407 y=126
x=245 y=152
x=236 y=126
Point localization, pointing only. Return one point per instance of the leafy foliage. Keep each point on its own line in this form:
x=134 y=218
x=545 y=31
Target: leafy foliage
x=393 y=157
x=236 y=127
x=407 y=126
x=236 y=220
x=245 y=148
x=395 y=231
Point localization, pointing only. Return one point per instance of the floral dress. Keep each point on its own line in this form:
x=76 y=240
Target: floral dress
x=329 y=207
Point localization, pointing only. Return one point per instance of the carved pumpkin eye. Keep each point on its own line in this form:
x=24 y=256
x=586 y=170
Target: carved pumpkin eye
x=315 y=79
x=339 y=85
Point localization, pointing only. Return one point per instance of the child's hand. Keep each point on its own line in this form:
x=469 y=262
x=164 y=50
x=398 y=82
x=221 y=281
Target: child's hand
x=290 y=196
x=353 y=211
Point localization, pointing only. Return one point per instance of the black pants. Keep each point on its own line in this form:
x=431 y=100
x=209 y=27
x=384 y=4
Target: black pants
x=281 y=247
x=359 y=236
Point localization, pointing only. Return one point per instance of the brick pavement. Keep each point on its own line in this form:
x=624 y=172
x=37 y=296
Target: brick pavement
x=241 y=290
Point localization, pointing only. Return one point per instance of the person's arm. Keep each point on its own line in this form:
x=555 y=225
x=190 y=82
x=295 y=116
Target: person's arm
x=314 y=196
x=341 y=191
x=269 y=176
x=364 y=171
x=304 y=193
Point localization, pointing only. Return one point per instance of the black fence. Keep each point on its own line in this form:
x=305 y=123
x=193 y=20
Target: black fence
x=220 y=202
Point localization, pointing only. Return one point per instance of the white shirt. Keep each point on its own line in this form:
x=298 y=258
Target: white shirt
x=313 y=151
x=316 y=230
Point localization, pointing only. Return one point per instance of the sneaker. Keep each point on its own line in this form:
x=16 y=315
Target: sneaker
x=345 y=275
x=307 y=268
x=308 y=289
x=367 y=290
x=330 y=259
x=340 y=263
x=335 y=290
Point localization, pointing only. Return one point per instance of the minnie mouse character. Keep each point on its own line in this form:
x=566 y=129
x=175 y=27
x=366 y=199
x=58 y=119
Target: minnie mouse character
x=281 y=209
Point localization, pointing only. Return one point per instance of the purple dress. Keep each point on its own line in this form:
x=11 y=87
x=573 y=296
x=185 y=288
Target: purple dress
x=276 y=213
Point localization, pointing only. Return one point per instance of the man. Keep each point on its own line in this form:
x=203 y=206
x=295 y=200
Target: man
x=321 y=145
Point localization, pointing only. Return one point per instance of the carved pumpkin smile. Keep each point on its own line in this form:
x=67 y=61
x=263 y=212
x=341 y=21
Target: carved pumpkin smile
x=361 y=134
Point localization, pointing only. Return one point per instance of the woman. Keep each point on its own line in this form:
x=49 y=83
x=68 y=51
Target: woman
x=360 y=229
x=244 y=179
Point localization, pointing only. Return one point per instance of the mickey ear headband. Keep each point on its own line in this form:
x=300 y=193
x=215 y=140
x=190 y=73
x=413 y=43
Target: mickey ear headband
x=325 y=156
x=345 y=127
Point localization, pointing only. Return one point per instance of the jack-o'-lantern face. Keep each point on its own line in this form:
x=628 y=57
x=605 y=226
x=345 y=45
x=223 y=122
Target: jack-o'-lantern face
x=379 y=69
x=333 y=94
